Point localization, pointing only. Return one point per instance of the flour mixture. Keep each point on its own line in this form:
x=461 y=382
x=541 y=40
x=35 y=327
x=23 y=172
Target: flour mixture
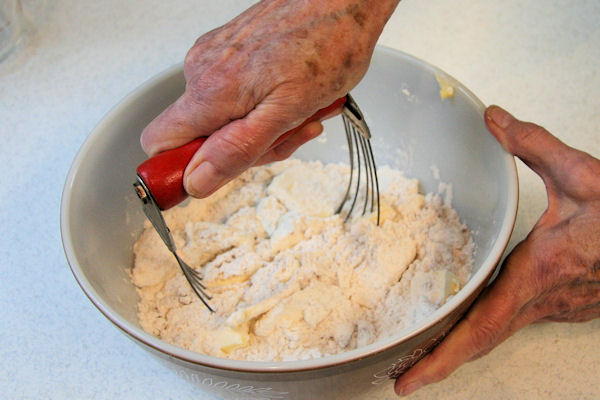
x=289 y=279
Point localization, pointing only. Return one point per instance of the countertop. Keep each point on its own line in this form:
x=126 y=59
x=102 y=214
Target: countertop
x=538 y=59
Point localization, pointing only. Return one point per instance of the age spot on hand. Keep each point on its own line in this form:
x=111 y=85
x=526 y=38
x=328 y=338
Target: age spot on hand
x=313 y=67
x=357 y=14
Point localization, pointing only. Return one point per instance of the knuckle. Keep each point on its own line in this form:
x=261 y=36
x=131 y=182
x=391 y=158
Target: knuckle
x=283 y=151
x=239 y=154
x=200 y=52
x=530 y=132
x=190 y=58
x=193 y=61
x=198 y=89
x=484 y=333
x=212 y=89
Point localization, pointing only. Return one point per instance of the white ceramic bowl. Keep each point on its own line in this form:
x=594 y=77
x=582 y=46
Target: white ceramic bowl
x=413 y=129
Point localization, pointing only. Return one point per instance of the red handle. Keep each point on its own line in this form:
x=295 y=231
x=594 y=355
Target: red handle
x=163 y=173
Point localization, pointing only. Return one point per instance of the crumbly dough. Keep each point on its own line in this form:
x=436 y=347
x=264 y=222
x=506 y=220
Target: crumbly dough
x=289 y=279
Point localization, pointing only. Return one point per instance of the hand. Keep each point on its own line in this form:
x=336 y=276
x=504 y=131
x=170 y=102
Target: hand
x=260 y=75
x=553 y=275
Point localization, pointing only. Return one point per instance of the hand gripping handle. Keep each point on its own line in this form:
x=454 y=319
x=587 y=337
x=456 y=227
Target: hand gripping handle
x=163 y=173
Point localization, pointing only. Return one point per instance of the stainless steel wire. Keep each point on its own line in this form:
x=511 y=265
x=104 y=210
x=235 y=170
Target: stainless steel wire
x=155 y=216
x=195 y=280
x=363 y=169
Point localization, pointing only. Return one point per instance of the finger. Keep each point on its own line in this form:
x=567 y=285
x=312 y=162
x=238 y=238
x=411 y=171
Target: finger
x=490 y=321
x=562 y=168
x=286 y=148
x=202 y=109
x=236 y=147
x=534 y=145
x=483 y=327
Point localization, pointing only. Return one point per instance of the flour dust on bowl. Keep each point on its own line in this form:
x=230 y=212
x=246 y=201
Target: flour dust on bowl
x=413 y=129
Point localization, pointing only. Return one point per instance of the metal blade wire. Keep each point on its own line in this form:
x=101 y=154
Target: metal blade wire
x=194 y=280
x=356 y=138
x=368 y=177
x=351 y=154
x=374 y=169
x=360 y=152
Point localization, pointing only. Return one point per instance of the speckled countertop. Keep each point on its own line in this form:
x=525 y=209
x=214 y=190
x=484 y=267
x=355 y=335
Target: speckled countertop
x=538 y=59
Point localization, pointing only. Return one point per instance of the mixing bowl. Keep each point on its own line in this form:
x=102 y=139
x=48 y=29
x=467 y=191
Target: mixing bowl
x=413 y=129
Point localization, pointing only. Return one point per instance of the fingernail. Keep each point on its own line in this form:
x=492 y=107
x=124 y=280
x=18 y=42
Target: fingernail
x=499 y=116
x=203 y=180
x=409 y=388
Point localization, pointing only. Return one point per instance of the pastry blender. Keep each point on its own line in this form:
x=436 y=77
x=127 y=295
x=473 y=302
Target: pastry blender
x=160 y=180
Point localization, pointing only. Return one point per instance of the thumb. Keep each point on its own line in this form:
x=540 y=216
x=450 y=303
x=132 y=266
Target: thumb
x=237 y=137
x=534 y=145
x=237 y=146
x=486 y=324
x=564 y=170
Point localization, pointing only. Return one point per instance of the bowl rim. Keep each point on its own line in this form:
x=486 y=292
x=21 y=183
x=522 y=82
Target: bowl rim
x=137 y=334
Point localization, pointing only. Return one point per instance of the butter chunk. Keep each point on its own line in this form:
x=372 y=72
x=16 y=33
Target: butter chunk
x=227 y=339
x=288 y=232
x=244 y=315
x=308 y=190
x=233 y=266
x=268 y=211
x=446 y=86
x=436 y=286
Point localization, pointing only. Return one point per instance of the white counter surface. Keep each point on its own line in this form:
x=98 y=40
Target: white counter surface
x=539 y=59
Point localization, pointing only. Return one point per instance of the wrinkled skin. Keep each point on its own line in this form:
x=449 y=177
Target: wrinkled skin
x=553 y=275
x=260 y=75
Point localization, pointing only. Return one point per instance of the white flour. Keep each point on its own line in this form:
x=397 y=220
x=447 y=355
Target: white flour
x=289 y=279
